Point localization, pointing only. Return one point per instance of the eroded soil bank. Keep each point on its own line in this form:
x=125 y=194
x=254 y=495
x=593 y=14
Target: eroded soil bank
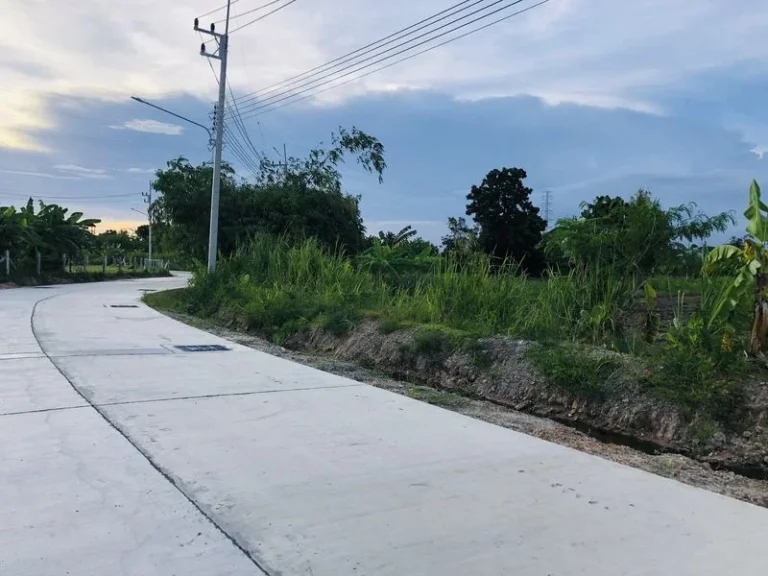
x=505 y=390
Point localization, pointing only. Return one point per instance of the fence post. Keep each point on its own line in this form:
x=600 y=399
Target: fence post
x=7 y=262
x=38 y=262
x=64 y=262
x=104 y=265
x=87 y=261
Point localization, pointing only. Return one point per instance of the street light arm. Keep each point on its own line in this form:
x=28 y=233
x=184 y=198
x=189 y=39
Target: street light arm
x=142 y=101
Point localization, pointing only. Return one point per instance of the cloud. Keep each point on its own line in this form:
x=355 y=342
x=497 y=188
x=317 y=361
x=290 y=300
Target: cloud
x=79 y=169
x=593 y=52
x=139 y=170
x=40 y=174
x=81 y=172
x=68 y=172
x=151 y=126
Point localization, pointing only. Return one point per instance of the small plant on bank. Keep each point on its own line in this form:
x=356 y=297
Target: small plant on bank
x=586 y=373
x=751 y=281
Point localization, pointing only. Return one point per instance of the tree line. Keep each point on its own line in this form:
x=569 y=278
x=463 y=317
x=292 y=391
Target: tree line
x=51 y=235
x=303 y=197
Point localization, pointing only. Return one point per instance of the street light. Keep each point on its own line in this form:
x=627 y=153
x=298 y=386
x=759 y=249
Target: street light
x=213 y=229
x=179 y=116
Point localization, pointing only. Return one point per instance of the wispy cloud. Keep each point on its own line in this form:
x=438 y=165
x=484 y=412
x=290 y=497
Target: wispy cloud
x=79 y=169
x=138 y=170
x=151 y=126
x=40 y=174
x=82 y=172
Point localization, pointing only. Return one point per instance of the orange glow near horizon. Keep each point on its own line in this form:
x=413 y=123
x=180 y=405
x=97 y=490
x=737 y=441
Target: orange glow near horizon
x=107 y=224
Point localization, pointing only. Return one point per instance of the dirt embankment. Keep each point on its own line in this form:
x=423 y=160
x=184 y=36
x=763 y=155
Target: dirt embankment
x=507 y=378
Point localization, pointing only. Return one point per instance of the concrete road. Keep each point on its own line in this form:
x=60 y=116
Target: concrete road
x=121 y=453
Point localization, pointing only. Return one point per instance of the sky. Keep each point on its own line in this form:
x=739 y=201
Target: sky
x=590 y=97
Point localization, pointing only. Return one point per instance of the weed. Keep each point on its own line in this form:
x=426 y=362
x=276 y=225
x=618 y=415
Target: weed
x=574 y=369
x=389 y=325
x=437 y=397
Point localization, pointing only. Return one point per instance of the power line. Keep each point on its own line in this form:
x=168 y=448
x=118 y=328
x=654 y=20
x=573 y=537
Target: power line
x=237 y=149
x=20 y=194
x=363 y=50
x=270 y=107
x=251 y=11
x=219 y=9
x=345 y=56
x=280 y=96
x=263 y=16
x=237 y=118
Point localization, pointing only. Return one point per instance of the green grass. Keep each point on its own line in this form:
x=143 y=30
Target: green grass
x=171 y=300
x=581 y=371
x=278 y=290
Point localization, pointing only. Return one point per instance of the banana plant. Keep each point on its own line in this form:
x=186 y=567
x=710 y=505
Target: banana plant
x=751 y=281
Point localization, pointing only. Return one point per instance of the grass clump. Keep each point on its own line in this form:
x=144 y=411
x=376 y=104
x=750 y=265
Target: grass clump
x=585 y=373
x=435 y=397
x=390 y=325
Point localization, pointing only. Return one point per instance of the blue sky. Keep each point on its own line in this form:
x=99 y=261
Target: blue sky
x=589 y=96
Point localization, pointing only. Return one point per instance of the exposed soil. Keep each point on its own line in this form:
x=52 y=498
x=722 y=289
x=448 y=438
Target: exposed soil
x=450 y=385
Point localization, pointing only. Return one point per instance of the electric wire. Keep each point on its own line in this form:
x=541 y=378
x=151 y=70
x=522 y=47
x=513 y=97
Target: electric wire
x=258 y=110
x=262 y=16
x=362 y=50
x=251 y=11
x=219 y=9
x=305 y=86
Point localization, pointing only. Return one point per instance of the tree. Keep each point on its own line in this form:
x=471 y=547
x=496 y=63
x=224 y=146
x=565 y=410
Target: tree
x=51 y=230
x=461 y=238
x=299 y=199
x=636 y=236
x=509 y=224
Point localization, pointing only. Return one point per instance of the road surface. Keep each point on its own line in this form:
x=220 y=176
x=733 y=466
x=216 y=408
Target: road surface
x=123 y=454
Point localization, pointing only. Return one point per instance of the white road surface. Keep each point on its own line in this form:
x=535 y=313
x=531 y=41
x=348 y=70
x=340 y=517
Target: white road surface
x=121 y=454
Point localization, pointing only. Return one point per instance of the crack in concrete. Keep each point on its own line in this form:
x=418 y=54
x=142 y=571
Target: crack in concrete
x=164 y=473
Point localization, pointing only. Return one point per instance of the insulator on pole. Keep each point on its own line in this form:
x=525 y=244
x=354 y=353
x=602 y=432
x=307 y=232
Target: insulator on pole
x=202 y=48
x=213 y=27
x=196 y=22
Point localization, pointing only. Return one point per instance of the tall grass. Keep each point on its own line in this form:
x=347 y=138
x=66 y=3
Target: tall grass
x=277 y=289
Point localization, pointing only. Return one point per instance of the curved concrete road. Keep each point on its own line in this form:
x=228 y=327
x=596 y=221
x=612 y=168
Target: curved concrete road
x=122 y=454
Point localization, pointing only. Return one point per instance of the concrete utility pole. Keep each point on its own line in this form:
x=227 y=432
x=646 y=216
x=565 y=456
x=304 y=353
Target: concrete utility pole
x=221 y=56
x=148 y=200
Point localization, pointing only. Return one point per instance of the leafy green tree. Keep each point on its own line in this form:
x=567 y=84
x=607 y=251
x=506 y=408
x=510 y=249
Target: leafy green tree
x=118 y=244
x=509 y=223
x=461 y=238
x=636 y=236
x=51 y=230
x=298 y=198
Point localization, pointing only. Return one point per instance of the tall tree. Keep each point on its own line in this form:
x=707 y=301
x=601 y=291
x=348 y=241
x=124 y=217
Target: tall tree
x=510 y=225
x=298 y=198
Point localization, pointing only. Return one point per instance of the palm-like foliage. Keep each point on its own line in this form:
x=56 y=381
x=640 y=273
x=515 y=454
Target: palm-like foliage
x=751 y=281
x=51 y=230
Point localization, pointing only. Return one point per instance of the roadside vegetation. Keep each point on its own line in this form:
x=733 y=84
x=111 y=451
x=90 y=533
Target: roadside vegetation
x=626 y=294
x=45 y=243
